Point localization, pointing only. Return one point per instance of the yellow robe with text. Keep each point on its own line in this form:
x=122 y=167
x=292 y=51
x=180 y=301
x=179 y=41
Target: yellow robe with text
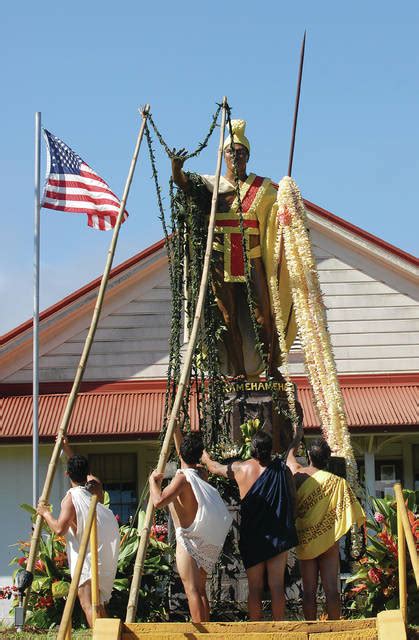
x=326 y=509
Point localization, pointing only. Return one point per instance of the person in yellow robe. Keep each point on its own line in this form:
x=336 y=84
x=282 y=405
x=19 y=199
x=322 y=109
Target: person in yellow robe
x=267 y=276
x=326 y=509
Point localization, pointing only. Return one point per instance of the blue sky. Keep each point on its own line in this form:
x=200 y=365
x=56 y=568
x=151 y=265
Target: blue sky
x=89 y=66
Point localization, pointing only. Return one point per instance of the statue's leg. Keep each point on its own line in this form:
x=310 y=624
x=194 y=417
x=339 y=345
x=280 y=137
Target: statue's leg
x=225 y=296
x=263 y=315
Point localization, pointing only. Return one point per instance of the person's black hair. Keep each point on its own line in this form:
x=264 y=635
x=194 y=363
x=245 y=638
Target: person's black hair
x=78 y=468
x=319 y=452
x=261 y=447
x=191 y=448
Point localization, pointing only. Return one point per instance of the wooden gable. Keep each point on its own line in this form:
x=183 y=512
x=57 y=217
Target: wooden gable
x=370 y=293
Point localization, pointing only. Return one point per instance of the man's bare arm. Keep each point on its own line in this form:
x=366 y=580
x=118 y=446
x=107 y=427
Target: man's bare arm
x=178 y=437
x=163 y=498
x=224 y=470
x=61 y=525
x=68 y=451
x=292 y=490
x=291 y=460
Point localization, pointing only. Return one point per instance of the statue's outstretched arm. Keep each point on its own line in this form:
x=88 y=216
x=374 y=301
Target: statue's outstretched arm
x=179 y=176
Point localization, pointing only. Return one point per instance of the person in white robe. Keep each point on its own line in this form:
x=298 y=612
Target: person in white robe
x=71 y=523
x=201 y=518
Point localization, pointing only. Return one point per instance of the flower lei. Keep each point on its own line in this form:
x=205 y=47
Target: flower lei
x=311 y=321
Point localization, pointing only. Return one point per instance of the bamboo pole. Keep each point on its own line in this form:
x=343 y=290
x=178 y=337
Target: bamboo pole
x=65 y=624
x=84 y=357
x=401 y=558
x=166 y=446
x=401 y=508
x=95 y=570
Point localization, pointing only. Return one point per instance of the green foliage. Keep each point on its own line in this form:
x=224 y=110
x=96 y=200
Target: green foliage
x=248 y=429
x=52 y=577
x=374 y=585
x=185 y=243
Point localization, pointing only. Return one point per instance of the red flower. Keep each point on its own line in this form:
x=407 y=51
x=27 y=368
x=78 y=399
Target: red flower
x=388 y=542
x=22 y=561
x=60 y=559
x=359 y=588
x=45 y=601
x=375 y=575
x=159 y=532
x=39 y=565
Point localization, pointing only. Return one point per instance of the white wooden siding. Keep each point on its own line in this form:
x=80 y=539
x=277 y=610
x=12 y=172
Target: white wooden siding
x=373 y=319
x=373 y=326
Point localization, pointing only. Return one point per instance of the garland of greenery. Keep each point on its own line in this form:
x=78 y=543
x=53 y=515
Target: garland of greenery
x=172 y=152
x=186 y=241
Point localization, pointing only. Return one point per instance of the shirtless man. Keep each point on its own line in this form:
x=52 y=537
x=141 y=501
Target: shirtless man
x=326 y=509
x=267 y=528
x=201 y=519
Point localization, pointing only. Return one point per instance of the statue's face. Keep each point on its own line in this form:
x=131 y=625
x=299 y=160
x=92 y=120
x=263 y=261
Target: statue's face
x=242 y=156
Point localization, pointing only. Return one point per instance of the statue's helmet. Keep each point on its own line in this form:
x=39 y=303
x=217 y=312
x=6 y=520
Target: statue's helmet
x=238 y=127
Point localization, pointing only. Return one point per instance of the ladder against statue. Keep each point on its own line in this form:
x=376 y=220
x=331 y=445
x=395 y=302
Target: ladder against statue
x=387 y=626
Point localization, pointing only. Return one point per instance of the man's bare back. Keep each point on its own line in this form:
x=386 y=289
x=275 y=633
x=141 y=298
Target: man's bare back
x=184 y=507
x=246 y=473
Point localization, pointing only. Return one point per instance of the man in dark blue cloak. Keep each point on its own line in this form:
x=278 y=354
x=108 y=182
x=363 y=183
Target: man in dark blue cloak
x=267 y=520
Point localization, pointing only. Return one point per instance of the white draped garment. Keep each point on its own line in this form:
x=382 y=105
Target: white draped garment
x=204 y=538
x=108 y=542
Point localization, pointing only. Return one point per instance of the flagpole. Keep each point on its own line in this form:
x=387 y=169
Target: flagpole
x=65 y=420
x=35 y=359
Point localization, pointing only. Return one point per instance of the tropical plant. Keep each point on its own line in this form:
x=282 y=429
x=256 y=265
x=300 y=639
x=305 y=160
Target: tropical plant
x=248 y=429
x=374 y=586
x=52 y=576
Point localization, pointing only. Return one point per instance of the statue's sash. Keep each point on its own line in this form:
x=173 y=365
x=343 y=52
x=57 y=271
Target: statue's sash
x=228 y=224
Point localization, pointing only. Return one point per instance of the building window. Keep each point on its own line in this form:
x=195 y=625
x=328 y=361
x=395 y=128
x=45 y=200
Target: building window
x=118 y=472
x=387 y=473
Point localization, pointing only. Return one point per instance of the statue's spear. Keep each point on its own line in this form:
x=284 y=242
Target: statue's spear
x=297 y=104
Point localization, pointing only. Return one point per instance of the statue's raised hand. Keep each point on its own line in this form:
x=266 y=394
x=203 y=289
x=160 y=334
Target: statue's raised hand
x=178 y=158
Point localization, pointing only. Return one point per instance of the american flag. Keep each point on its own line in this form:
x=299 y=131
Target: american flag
x=74 y=187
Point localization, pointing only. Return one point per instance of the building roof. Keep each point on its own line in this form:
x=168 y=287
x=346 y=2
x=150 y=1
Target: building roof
x=135 y=410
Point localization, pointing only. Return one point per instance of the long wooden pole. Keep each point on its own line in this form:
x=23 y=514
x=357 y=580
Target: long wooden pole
x=62 y=430
x=404 y=520
x=297 y=105
x=74 y=586
x=401 y=559
x=95 y=570
x=167 y=442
